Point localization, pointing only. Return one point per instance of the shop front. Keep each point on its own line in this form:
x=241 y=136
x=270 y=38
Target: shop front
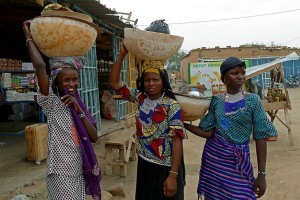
x=17 y=88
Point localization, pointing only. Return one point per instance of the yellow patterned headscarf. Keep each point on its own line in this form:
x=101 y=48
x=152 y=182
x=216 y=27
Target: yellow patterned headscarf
x=153 y=66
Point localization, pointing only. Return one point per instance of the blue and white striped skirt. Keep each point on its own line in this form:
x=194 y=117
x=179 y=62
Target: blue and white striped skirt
x=226 y=171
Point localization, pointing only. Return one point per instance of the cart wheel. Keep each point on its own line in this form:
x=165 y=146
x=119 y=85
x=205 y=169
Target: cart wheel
x=37 y=162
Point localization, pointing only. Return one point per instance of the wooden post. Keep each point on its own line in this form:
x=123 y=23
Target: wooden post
x=123 y=165
x=128 y=150
x=285 y=88
x=108 y=160
x=287 y=117
x=288 y=123
x=133 y=149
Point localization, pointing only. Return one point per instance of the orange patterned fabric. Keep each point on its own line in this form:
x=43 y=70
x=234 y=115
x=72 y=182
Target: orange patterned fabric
x=75 y=135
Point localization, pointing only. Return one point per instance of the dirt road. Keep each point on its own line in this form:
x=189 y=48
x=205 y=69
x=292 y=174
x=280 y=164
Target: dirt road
x=18 y=176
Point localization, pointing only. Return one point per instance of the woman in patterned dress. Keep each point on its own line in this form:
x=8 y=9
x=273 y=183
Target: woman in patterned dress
x=159 y=131
x=72 y=167
x=226 y=171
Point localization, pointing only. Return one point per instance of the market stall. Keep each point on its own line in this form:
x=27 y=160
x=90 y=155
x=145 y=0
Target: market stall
x=277 y=97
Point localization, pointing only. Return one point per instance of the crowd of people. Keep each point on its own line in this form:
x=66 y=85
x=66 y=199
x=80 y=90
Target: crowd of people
x=226 y=171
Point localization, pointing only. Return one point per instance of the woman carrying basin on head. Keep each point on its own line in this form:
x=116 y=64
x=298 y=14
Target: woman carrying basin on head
x=159 y=131
x=72 y=167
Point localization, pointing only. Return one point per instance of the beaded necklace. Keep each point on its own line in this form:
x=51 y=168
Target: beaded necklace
x=234 y=102
x=147 y=110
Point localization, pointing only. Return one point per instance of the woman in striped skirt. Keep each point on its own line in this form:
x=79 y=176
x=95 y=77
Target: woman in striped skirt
x=226 y=170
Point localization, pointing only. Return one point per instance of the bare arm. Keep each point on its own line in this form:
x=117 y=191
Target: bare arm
x=114 y=76
x=37 y=60
x=70 y=100
x=260 y=184
x=198 y=131
x=177 y=152
x=90 y=129
x=170 y=185
x=261 y=150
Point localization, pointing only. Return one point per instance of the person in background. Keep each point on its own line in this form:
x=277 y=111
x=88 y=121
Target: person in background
x=159 y=131
x=72 y=167
x=173 y=78
x=226 y=170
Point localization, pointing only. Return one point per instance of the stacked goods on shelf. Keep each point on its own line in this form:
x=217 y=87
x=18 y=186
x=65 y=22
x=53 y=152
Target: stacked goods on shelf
x=276 y=95
x=10 y=95
x=27 y=66
x=30 y=96
x=17 y=80
x=21 y=111
x=23 y=95
x=10 y=64
x=6 y=80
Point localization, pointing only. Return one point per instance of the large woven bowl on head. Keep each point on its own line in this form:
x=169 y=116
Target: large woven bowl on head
x=147 y=45
x=193 y=108
x=62 y=36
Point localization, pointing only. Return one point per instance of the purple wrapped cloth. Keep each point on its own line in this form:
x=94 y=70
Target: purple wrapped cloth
x=91 y=169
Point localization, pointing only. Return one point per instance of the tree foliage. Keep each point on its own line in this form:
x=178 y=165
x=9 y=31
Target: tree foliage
x=173 y=63
x=259 y=44
x=253 y=44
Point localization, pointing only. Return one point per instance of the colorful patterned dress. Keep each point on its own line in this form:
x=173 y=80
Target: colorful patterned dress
x=156 y=123
x=226 y=171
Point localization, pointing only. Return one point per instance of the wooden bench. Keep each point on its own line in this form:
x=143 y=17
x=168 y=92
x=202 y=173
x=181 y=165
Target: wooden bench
x=124 y=142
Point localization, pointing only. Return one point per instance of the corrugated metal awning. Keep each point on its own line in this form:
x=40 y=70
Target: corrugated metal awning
x=101 y=12
x=259 y=69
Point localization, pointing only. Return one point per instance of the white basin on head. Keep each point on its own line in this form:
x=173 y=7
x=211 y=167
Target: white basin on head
x=193 y=108
x=147 y=45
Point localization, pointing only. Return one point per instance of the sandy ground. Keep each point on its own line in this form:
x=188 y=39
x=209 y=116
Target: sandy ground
x=18 y=176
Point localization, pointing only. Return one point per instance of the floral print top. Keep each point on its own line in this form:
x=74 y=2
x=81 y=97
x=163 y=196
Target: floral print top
x=155 y=127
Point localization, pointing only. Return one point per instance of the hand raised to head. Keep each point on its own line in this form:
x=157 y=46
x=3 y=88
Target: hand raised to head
x=123 y=50
x=26 y=29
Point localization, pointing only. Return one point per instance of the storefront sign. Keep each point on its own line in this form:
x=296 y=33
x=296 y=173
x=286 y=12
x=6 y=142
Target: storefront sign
x=207 y=73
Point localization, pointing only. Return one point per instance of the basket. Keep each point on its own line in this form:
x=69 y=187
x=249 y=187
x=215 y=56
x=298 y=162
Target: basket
x=147 y=45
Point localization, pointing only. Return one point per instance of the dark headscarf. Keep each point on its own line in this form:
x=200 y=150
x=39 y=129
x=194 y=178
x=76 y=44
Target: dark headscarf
x=230 y=63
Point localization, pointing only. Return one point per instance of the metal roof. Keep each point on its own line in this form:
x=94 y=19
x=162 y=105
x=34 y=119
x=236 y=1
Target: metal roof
x=101 y=12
